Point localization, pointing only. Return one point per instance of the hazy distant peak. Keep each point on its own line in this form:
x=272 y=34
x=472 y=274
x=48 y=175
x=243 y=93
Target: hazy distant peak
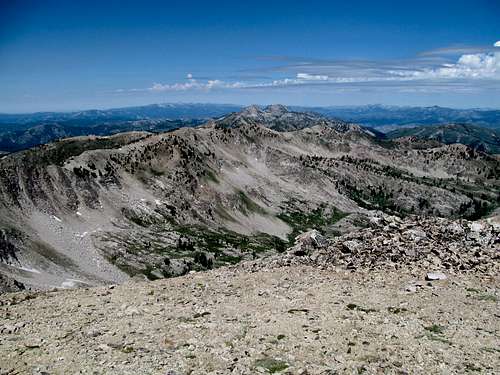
x=280 y=118
x=276 y=109
x=252 y=110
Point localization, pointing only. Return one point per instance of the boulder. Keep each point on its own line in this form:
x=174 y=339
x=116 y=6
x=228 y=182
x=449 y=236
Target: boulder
x=308 y=241
x=433 y=276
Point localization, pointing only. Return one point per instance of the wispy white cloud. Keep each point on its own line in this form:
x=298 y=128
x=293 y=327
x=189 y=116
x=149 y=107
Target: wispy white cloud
x=312 y=77
x=466 y=73
x=470 y=66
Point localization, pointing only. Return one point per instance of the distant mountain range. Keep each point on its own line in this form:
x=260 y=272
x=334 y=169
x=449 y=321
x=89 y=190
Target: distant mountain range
x=368 y=115
x=37 y=134
x=384 y=116
x=21 y=131
x=171 y=111
x=481 y=139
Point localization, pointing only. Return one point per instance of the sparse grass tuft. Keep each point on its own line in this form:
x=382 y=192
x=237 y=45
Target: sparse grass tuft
x=156 y=172
x=210 y=176
x=472 y=290
x=490 y=350
x=293 y=311
x=435 y=329
x=271 y=365
x=396 y=310
x=318 y=219
x=472 y=367
x=487 y=297
x=353 y=306
x=249 y=205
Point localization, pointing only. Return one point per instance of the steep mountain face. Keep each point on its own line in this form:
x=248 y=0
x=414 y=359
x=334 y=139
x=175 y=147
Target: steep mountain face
x=482 y=139
x=93 y=210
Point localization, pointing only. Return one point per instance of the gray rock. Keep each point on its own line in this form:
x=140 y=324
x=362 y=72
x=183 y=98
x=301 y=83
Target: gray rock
x=351 y=246
x=415 y=234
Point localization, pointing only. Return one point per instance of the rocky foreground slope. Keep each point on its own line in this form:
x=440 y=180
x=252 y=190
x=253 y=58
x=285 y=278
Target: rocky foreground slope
x=417 y=296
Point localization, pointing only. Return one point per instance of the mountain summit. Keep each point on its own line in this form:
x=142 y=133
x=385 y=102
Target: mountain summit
x=280 y=118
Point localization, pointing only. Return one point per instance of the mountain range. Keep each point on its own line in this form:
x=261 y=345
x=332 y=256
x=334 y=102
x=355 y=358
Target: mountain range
x=390 y=117
x=483 y=139
x=21 y=131
x=101 y=209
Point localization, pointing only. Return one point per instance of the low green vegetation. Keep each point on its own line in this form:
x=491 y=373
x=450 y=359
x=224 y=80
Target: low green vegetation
x=156 y=172
x=293 y=311
x=472 y=367
x=353 y=306
x=271 y=365
x=487 y=297
x=435 y=332
x=210 y=176
x=63 y=150
x=318 y=219
x=215 y=241
x=396 y=310
x=435 y=329
x=248 y=205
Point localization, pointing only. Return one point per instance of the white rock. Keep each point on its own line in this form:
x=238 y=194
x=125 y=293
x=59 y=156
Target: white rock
x=476 y=227
x=431 y=276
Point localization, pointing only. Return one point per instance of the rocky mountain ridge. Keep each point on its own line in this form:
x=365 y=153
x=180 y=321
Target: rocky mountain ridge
x=19 y=132
x=93 y=210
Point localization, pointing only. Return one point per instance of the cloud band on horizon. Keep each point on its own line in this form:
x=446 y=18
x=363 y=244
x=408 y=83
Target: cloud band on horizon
x=469 y=71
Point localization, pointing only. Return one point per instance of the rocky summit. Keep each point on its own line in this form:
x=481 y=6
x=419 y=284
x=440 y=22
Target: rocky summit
x=305 y=314
x=263 y=241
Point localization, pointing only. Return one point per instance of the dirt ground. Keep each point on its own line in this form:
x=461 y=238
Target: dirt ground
x=297 y=320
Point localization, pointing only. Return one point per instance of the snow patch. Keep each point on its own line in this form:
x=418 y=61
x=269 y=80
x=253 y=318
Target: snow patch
x=72 y=283
x=27 y=269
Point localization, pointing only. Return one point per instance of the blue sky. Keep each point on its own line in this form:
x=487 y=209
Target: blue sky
x=70 y=55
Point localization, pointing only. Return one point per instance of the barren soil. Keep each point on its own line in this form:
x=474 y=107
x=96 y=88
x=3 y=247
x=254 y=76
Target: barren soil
x=293 y=320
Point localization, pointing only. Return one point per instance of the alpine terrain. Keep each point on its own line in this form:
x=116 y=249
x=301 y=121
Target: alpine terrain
x=327 y=249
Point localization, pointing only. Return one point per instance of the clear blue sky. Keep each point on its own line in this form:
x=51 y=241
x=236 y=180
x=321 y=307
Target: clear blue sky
x=69 y=55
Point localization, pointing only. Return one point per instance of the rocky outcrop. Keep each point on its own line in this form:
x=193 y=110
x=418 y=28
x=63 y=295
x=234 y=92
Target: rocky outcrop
x=9 y=285
x=394 y=243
